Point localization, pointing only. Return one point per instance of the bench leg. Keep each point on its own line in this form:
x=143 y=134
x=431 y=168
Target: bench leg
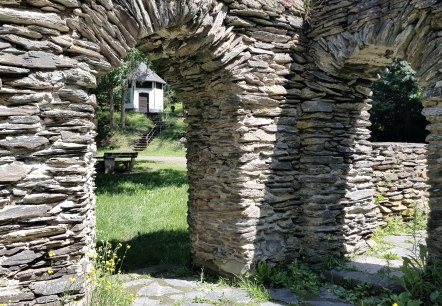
x=132 y=164
x=109 y=165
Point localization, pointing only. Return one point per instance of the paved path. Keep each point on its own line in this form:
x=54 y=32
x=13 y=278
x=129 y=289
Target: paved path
x=163 y=289
x=192 y=292
x=165 y=159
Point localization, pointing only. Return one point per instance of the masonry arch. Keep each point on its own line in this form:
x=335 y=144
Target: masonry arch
x=278 y=125
x=349 y=51
x=229 y=61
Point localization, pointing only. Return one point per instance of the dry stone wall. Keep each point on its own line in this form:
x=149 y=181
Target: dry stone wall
x=278 y=158
x=400 y=177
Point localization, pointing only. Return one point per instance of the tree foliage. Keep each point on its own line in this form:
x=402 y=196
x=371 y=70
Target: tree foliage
x=396 y=113
x=113 y=87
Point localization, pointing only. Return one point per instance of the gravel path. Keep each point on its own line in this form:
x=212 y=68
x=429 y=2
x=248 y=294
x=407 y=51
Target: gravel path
x=166 y=159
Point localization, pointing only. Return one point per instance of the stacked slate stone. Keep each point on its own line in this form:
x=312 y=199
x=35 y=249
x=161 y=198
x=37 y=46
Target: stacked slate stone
x=231 y=70
x=46 y=146
x=351 y=42
x=400 y=177
x=279 y=159
x=231 y=66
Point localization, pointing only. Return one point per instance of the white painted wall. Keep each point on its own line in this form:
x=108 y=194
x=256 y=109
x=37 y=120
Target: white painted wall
x=156 y=98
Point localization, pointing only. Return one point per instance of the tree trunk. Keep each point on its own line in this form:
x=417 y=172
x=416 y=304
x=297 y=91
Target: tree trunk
x=123 y=102
x=111 y=108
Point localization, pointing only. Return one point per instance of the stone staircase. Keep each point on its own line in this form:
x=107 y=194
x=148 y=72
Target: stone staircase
x=146 y=138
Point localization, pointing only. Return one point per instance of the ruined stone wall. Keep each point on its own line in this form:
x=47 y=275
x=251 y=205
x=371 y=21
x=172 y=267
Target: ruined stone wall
x=351 y=41
x=230 y=62
x=400 y=178
x=277 y=116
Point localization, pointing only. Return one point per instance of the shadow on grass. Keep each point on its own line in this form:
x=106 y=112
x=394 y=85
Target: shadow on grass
x=131 y=183
x=161 y=247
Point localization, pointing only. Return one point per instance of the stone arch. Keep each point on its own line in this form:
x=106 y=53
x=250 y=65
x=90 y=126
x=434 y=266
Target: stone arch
x=348 y=52
x=278 y=136
x=230 y=60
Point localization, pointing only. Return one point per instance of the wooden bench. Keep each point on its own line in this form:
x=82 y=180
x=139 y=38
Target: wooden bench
x=111 y=158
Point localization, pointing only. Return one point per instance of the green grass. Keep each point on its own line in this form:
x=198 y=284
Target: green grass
x=165 y=144
x=146 y=209
x=114 y=139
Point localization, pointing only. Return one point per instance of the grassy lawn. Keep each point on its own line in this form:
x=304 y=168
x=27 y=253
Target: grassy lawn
x=146 y=209
x=165 y=144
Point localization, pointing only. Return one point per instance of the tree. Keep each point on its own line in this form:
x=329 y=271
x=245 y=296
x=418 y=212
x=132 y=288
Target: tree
x=113 y=85
x=105 y=93
x=396 y=112
x=133 y=59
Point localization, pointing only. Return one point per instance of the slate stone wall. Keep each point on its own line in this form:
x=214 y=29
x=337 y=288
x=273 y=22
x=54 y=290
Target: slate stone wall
x=400 y=177
x=277 y=101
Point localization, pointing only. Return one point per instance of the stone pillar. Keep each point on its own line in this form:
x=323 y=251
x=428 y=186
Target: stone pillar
x=338 y=213
x=47 y=202
x=433 y=112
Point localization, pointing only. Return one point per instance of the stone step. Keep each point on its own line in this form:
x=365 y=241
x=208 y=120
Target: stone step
x=346 y=278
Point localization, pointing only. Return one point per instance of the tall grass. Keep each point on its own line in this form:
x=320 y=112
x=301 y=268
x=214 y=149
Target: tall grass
x=146 y=209
x=116 y=138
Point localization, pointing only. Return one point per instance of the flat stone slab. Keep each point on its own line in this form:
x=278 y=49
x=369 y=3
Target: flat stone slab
x=181 y=283
x=378 y=283
x=156 y=289
x=143 y=301
x=175 y=291
x=230 y=294
x=283 y=295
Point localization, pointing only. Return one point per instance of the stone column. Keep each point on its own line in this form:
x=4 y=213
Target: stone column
x=433 y=112
x=47 y=201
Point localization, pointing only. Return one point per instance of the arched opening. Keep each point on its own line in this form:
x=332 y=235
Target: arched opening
x=398 y=135
x=141 y=175
x=232 y=72
x=277 y=135
x=352 y=58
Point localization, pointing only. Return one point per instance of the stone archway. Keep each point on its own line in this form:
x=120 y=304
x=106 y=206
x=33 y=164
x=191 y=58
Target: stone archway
x=349 y=51
x=262 y=108
x=229 y=61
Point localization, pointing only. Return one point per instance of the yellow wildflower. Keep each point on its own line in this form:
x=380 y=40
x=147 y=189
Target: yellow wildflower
x=50 y=272
x=51 y=254
x=395 y=304
x=72 y=279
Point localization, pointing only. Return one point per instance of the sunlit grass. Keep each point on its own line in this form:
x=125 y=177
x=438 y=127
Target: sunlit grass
x=147 y=209
x=165 y=144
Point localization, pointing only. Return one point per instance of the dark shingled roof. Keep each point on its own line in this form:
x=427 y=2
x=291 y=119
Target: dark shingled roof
x=143 y=73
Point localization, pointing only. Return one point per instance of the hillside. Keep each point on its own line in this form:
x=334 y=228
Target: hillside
x=167 y=143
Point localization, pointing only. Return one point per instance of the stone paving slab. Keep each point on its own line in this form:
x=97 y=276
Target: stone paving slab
x=175 y=291
x=189 y=292
x=374 y=269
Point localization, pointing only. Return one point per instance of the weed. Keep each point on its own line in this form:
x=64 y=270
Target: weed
x=361 y=294
x=330 y=262
x=255 y=289
x=106 y=289
x=422 y=278
x=297 y=276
